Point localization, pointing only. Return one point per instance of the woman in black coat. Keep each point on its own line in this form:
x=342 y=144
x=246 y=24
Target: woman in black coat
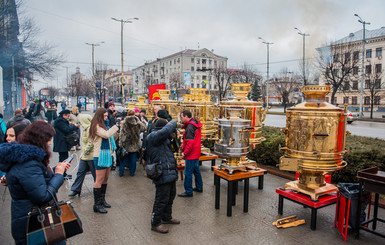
x=29 y=176
x=159 y=150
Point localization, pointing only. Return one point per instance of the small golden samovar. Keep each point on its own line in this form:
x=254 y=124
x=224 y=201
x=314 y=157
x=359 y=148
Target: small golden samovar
x=141 y=104
x=315 y=142
x=166 y=103
x=204 y=110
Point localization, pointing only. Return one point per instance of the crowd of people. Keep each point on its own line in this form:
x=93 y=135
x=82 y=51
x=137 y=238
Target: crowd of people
x=107 y=139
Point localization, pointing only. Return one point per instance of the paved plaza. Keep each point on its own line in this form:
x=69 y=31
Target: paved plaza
x=128 y=221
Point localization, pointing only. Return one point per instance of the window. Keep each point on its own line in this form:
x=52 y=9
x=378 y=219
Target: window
x=178 y=60
x=368 y=69
x=354 y=100
x=192 y=85
x=335 y=58
x=192 y=68
x=367 y=84
x=192 y=60
x=204 y=78
x=346 y=100
x=355 y=70
x=377 y=84
x=378 y=52
x=335 y=101
x=346 y=86
x=356 y=55
x=378 y=68
x=204 y=61
x=209 y=62
x=377 y=100
x=174 y=61
x=347 y=57
x=367 y=100
x=198 y=61
x=369 y=53
x=170 y=62
x=215 y=86
x=355 y=85
x=327 y=99
x=197 y=85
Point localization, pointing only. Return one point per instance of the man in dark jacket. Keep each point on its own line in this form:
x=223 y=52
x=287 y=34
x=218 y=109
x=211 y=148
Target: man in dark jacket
x=159 y=151
x=62 y=128
x=18 y=118
x=191 y=151
x=111 y=114
x=51 y=113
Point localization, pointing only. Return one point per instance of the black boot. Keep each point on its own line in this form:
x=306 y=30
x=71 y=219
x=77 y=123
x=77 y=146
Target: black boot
x=74 y=194
x=104 y=203
x=98 y=207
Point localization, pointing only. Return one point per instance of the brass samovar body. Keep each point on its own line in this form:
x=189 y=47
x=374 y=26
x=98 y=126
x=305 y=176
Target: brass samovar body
x=250 y=113
x=166 y=103
x=315 y=142
x=141 y=104
x=204 y=110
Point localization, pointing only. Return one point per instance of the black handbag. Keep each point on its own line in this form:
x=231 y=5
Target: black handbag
x=72 y=138
x=52 y=223
x=122 y=153
x=154 y=170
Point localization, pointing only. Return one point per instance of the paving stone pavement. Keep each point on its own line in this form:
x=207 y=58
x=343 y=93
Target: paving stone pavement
x=128 y=221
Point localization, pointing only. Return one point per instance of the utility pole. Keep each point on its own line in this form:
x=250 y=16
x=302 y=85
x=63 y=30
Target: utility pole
x=362 y=62
x=267 y=75
x=303 y=34
x=93 y=69
x=122 y=22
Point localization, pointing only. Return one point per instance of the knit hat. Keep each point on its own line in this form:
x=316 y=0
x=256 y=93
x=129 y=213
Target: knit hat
x=143 y=110
x=110 y=104
x=160 y=123
x=136 y=110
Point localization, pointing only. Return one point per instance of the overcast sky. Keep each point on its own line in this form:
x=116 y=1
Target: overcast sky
x=229 y=27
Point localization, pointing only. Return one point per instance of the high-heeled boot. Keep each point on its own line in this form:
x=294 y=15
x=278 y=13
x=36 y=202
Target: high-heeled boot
x=104 y=203
x=98 y=207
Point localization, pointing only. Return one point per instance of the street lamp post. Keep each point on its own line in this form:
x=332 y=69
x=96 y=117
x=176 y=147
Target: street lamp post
x=363 y=61
x=267 y=75
x=122 y=22
x=93 y=69
x=303 y=34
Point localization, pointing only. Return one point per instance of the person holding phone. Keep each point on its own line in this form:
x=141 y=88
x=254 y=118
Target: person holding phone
x=104 y=146
x=29 y=175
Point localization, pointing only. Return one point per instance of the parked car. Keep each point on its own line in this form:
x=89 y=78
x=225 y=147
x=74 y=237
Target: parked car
x=352 y=116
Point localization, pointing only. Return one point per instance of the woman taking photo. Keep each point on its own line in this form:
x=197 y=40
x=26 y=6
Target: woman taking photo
x=104 y=146
x=29 y=176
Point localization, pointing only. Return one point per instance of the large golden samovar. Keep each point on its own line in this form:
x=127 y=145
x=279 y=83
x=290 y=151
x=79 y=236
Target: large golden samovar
x=315 y=142
x=240 y=118
x=204 y=110
x=251 y=110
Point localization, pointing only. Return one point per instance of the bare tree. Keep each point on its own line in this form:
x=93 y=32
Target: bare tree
x=222 y=80
x=338 y=64
x=286 y=84
x=373 y=84
x=39 y=57
x=175 y=81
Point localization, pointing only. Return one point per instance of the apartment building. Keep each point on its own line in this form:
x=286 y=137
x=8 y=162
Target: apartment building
x=348 y=52
x=185 y=69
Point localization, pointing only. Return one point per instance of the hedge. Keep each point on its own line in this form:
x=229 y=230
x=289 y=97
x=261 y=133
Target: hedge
x=364 y=152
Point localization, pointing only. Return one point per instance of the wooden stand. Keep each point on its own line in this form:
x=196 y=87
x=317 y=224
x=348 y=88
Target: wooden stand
x=232 y=186
x=323 y=201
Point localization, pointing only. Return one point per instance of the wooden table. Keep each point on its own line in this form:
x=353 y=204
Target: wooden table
x=232 y=186
x=305 y=200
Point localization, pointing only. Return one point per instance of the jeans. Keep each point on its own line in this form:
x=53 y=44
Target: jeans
x=130 y=162
x=84 y=167
x=192 y=167
x=164 y=197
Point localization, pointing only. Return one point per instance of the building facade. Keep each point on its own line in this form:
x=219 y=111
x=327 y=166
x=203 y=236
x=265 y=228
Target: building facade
x=180 y=71
x=348 y=52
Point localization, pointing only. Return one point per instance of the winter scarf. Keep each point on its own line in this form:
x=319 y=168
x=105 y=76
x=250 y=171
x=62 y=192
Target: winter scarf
x=3 y=126
x=105 y=157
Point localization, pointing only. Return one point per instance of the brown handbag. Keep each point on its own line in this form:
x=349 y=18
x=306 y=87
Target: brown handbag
x=52 y=223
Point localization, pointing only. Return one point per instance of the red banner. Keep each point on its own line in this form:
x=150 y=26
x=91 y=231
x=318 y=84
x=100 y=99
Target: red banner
x=153 y=91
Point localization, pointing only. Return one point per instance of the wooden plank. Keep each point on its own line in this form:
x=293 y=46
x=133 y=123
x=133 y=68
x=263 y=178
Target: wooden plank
x=237 y=175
